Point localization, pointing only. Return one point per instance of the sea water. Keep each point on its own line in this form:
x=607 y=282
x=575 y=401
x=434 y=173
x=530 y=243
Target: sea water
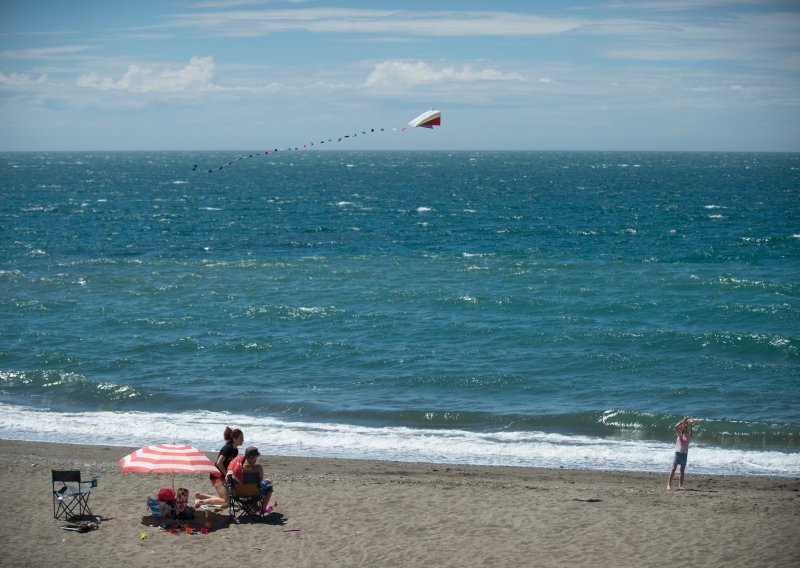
x=510 y=308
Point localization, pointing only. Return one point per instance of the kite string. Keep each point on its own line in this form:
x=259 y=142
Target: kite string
x=305 y=146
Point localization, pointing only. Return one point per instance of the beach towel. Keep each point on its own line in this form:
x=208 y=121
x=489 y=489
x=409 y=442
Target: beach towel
x=82 y=527
x=236 y=470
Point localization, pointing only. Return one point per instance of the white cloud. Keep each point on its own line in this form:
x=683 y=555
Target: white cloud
x=394 y=73
x=358 y=21
x=16 y=80
x=677 y=5
x=233 y=3
x=44 y=52
x=195 y=76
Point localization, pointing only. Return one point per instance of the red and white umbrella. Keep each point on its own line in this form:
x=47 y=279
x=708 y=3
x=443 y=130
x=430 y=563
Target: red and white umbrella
x=168 y=458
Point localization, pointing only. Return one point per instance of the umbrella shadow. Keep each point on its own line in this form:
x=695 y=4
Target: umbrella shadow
x=212 y=521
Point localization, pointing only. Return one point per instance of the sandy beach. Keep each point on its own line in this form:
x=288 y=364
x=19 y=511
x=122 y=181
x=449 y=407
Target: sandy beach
x=384 y=514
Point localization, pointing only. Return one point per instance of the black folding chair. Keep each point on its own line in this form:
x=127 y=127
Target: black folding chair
x=71 y=495
x=246 y=499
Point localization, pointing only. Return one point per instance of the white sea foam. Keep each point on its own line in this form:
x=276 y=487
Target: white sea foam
x=281 y=437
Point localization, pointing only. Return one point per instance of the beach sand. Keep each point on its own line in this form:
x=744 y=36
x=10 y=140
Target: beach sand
x=384 y=514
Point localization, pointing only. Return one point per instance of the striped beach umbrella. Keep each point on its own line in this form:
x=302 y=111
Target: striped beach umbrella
x=168 y=458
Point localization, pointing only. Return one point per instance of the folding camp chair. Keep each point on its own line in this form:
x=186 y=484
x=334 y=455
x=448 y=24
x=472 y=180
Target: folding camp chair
x=246 y=499
x=71 y=499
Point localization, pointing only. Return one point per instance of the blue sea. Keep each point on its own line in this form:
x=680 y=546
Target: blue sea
x=552 y=309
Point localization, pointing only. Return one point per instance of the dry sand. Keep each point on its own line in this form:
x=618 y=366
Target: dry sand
x=385 y=514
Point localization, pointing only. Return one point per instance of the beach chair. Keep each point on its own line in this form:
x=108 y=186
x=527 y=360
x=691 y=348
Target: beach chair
x=155 y=507
x=71 y=494
x=246 y=499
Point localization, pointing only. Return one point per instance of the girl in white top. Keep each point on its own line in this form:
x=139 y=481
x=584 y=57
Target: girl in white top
x=684 y=430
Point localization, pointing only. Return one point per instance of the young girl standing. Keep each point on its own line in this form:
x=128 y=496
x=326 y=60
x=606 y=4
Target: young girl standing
x=684 y=430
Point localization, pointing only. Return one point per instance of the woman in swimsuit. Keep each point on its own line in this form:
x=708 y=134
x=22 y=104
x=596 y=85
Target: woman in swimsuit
x=233 y=439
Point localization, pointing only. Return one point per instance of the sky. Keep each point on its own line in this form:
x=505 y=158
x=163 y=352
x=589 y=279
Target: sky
x=652 y=75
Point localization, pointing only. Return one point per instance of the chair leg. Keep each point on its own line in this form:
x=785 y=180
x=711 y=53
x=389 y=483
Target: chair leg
x=74 y=506
x=83 y=504
x=253 y=509
x=64 y=507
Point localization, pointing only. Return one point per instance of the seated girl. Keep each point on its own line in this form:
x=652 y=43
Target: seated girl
x=247 y=462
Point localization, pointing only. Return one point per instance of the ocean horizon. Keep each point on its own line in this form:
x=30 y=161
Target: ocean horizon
x=548 y=309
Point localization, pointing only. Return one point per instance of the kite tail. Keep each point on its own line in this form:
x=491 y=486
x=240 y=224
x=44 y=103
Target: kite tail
x=428 y=119
x=305 y=146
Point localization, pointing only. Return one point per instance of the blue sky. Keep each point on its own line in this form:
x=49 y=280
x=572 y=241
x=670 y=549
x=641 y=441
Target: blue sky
x=517 y=75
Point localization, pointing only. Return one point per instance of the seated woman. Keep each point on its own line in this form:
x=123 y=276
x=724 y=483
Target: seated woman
x=247 y=462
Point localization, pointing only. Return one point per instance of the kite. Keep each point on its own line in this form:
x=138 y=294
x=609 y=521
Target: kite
x=427 y=119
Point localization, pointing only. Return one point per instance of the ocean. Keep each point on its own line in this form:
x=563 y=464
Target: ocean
x=550 y=309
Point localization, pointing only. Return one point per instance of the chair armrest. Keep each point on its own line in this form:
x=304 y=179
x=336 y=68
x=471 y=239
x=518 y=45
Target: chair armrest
x=87 y=485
